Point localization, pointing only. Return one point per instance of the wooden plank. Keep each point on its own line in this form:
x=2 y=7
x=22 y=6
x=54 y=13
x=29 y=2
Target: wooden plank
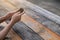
x=25 y=32
x=43 y=20
x=46 y=33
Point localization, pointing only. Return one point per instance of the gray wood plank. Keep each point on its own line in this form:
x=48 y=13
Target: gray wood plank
x=25 y=32
x=45 y=21
x=51 y=5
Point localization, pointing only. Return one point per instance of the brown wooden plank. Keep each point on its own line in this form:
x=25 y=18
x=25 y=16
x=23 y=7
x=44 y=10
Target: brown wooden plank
x=46 y=33
x=43 y=20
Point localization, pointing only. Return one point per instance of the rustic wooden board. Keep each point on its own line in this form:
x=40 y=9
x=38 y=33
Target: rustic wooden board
x=44 y=32
x=43 y=20
x=25 y=32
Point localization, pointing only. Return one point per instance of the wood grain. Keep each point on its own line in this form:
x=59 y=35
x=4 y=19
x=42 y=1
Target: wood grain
x=44 y=32
x=25 y=32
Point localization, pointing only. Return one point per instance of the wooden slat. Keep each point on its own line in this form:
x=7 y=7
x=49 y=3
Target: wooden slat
x=40 y=29
x=43 y=20
x=25 y=32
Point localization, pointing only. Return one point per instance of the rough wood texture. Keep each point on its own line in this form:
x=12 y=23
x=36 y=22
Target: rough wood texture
x=44 y=32
x=43 y=20
x=38 y=17
x=25 y=32
x=39 y=10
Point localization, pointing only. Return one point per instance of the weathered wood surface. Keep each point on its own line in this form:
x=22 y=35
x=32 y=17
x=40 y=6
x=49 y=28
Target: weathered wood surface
x=43 y=20
x=48 y=23
x=51 y=5
x=25 y=32
x=44 y=32
x=39 y=10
